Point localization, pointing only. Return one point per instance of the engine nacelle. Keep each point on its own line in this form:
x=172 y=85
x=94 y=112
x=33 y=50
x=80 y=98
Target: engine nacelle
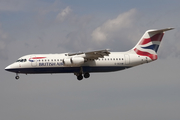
x=67 y=62
x=77 y=60
x=73 y=61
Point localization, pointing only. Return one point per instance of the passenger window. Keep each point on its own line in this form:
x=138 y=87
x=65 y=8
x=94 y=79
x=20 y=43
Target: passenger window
x=24 y=60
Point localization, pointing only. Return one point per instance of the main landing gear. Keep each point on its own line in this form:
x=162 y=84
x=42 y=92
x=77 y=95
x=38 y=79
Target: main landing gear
x=80 y=76
x=81 y=73
x=17 y=76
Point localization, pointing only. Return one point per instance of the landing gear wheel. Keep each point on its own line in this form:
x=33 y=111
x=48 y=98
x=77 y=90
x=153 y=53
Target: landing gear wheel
x=79 y=77
x=86 y=75
x=17 y=77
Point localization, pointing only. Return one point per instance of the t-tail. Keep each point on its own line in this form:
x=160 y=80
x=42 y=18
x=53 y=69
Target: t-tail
x=149 y=43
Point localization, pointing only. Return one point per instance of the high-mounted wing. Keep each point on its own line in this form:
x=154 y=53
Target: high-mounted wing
x=97 y=54
x=92 y=54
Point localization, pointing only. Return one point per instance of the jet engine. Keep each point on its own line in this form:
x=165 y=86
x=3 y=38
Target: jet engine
x=73 y=61
x=67 y=61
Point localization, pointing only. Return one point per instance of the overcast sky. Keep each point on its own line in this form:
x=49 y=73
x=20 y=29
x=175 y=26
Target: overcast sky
x=146 y=92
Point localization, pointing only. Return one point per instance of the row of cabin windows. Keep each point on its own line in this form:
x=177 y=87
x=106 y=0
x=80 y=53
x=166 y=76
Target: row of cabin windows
x=107 y=59
x=111 y=59
x=24 y=60
x=88 y=59
x=50 y=60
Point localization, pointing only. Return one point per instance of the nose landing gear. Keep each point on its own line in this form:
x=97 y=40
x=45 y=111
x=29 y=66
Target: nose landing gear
x=17 y=76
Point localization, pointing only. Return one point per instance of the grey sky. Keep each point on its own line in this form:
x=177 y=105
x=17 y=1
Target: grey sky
x=146 y=92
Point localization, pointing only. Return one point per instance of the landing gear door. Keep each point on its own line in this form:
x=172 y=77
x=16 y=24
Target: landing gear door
x=33 y=61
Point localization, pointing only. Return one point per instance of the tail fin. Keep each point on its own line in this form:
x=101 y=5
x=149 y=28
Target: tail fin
x=149 y=43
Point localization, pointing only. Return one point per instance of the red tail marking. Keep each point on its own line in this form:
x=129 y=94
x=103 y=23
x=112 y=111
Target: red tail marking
x=157 y=37
x=38 y=57
x=152 y=56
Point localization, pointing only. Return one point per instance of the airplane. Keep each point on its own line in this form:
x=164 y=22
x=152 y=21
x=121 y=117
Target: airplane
x=84 y=63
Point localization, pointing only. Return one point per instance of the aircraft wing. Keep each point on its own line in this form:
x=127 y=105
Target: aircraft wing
x=92 y=54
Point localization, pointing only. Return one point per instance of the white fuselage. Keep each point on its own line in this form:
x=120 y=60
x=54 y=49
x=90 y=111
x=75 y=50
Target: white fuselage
x=54 y=63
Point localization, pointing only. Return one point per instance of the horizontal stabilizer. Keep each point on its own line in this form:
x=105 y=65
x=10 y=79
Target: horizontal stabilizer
x=160 y=30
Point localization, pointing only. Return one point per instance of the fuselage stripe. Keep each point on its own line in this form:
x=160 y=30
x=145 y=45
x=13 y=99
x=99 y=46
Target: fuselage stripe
x=38 y=57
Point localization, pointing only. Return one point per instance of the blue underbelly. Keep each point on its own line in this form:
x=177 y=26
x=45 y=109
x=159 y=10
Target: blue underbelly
x=68 y=69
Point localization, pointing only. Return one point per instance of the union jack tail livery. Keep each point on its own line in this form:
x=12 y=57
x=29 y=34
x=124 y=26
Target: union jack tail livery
x=149 y=43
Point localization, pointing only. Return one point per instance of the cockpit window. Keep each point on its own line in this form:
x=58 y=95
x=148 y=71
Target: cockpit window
x=21 y=60
x=17 y=60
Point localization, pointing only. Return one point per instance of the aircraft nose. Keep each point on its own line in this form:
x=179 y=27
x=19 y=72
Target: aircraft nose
x=8 y=68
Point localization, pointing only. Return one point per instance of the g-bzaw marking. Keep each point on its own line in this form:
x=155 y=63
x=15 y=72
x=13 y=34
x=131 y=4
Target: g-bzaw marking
x=82 y=64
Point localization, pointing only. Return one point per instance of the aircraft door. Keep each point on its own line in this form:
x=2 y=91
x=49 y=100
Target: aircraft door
x=127 y=59
x=33 y=61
